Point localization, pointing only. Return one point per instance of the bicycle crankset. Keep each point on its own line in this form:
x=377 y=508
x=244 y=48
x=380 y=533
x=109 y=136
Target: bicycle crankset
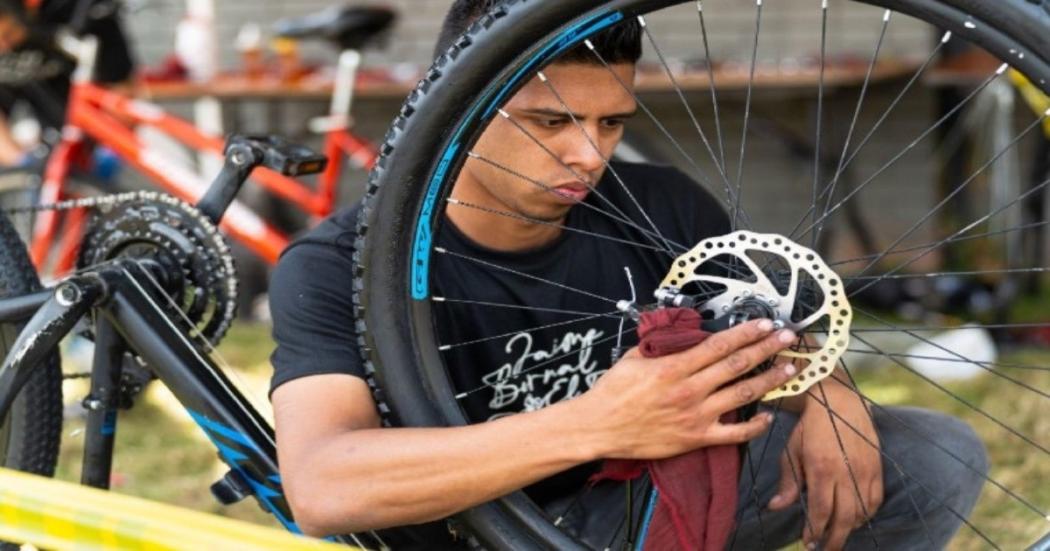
x=746 y=275
x=200 y=278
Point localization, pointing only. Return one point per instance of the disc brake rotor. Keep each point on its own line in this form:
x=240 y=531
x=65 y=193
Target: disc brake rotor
x=746 y=275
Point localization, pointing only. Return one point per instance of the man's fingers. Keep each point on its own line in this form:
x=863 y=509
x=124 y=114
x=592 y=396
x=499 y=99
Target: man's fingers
x=847 y=509
x=737 y=433
x=789 y=488
x=874 y=500
x=821 y=504
x=722 y=344
x=748 y=390
x=744 y=359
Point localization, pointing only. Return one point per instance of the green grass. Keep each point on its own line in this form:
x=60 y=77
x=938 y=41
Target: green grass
x=162 y=455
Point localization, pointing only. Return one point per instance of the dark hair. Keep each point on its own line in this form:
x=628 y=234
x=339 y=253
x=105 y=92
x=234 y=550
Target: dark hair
x=620 y=44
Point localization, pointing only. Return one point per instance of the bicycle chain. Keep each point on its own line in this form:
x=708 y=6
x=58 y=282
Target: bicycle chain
x=201 y=254
x=70 y=204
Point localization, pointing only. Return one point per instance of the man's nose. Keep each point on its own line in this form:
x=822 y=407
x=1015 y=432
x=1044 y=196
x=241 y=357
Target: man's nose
x=583 y=151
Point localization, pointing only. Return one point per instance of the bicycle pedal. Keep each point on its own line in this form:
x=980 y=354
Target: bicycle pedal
x=281 y=155
x=230 y=489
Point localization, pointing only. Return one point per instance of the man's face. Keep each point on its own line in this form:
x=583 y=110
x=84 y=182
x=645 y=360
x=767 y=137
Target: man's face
x=12 y=33
x=574 y=161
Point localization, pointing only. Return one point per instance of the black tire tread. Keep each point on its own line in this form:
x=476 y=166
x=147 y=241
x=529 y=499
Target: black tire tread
x=37 y=414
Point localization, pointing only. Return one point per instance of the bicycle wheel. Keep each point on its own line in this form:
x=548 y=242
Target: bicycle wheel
x=404 y=304
x=29 y=436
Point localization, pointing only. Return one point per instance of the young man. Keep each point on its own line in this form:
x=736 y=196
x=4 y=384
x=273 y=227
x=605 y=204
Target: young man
x=33 y=70
x=343 y=472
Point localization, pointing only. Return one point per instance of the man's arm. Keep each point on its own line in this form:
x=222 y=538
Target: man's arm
x=837 y=460
x=343 y=472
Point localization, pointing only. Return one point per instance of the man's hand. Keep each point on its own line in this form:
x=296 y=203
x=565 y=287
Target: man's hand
x=661 y=407
x=813 y=458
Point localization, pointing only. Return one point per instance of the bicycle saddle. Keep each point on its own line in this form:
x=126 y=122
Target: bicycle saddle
x=348 y=27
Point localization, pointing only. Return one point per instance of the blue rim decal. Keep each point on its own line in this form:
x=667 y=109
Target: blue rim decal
x=423 y=239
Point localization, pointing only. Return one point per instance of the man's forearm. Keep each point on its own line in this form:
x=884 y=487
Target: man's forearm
x=376 y=478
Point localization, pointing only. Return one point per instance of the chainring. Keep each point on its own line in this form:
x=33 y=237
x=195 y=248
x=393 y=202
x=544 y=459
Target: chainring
x=744 y=275
x=199 y=269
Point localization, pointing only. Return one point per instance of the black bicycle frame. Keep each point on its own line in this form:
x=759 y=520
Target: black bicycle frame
x=129 y=314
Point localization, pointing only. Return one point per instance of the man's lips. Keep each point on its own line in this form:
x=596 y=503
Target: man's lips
x=574 y=192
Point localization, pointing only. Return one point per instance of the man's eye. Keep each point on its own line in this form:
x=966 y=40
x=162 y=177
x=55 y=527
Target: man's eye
x=552 y=123
x=613 y=123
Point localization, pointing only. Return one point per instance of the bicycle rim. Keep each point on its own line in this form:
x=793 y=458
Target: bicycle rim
x=412 y=186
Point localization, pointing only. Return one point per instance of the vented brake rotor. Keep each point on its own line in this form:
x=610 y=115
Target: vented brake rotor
x=746 y=275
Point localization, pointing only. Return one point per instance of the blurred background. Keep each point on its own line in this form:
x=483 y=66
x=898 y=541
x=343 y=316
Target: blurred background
x=224 y=66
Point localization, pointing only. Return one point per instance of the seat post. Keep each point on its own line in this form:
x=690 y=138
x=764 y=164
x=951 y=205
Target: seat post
x=345 y=78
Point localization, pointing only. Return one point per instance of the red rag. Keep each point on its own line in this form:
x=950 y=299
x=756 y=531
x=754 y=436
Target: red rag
x=697 y=490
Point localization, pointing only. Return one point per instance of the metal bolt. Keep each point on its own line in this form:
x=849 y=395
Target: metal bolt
x=746 y=293
x=778 y=325
x=92 y=404
x=67 y=294
x=239 y=157
x=773 y=302
x=725 y=307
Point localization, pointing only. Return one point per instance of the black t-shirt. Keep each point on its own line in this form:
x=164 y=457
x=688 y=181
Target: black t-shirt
x=507 y=360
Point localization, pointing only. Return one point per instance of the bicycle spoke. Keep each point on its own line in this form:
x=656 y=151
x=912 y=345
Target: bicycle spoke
x=547 y=362
x=911 y=498
x=747 y=116
x=939 y=328
x=849 y=466
x=518 y=307
x=685 y=103
x=584 y=204
x=605 y=161
x=853 y=121
x=1033 y=225
x=927 y=439
x=713 y=87
x=946 y=359
x=755 y=500
x=956 y=397
x=820 y=109
x=523 y=218
x=878 y=124
x=897 y=465
x=446 y=347
x=593 y=188
x=934 y=275
x=905 y=151
x=704 y=180
x=958 y=189
x=924 y=340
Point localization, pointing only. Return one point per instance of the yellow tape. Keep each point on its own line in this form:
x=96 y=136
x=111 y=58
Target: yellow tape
x=59 y=515
x=1034 y=97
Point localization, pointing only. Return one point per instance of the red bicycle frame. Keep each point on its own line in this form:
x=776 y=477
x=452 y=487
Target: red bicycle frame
x=108 y=118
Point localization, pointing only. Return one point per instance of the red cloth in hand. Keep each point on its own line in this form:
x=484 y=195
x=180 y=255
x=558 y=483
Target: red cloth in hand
x=697 y=491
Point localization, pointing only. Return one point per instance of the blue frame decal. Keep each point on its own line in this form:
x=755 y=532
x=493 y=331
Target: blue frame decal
x=423 y=239
x=235 y=458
